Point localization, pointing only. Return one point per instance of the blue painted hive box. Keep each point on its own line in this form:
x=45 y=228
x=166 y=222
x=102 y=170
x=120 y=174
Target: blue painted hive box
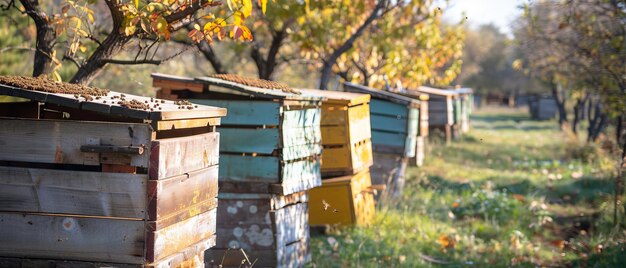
x=394 y=121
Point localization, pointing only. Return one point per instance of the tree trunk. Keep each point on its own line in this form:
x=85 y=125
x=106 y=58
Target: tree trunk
x=597 y=123
x=210 y=55
x=44 y=48
x=111 y=46
x=327 y=67
x=559 y=97
x=267 y=65
x=327 y=71
x=578 y=113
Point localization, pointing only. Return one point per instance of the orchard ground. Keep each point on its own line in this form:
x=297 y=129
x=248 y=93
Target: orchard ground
x=512 y=192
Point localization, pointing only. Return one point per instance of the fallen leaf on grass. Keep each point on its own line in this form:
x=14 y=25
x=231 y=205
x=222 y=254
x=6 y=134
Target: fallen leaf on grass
x=446 y=241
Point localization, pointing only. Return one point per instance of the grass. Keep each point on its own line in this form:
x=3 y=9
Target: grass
x=512 y=192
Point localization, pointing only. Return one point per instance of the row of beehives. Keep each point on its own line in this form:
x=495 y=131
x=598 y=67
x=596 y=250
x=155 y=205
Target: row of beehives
x=141 y=188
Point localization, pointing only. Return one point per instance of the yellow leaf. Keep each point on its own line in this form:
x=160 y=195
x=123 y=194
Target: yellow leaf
x=136 y=3
x=237 y=18
x=247 y=8
x=263 y=4
x=82 y=48
x=56 y=76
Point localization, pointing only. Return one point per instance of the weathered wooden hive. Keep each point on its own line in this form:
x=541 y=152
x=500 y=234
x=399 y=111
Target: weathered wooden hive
x=542 y=107
x=94 y=176
x=463 y=108
x=345 y=197
x=394 y=120
x=270 y=155
x=441 y=116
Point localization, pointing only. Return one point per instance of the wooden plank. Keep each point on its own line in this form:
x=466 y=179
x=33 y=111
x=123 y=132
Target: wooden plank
x=192 y=256
x=73 y=192
x=169 y=240
x=365 y=206
x=175 y=156
x=336 y=158
x=388 y=108
x=301 y=118
x=361 y=156
x=259 y=228
x=388 y=123
x=389 y=170
x=333 y=114
x=249 y=140
x=59 y=142
x=301 y=151
x=360 y=127
x=293 y=255
x=19 y=263
x=331 y=205
x=344 y=195
x=187 y=123
x=246 y=112
x=388 y=139
x=300 y=135
x=300 y=176
x=259 y=168
x=71 y=238
x=337 y=97
x=412 y=133
x=28 y=109
x=276 y=201
x=252 y=91
x=380 y=94
x=180 y=193
x=335 y=135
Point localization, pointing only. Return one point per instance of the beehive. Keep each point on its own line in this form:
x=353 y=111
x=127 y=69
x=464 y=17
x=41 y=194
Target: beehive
x=394 y=119
x=346 y=135
x=542 y=107
x=441 y=112
x=272 y=229
x=346 y=200
x=103 y=177
x=464 y=108
x=271 y=146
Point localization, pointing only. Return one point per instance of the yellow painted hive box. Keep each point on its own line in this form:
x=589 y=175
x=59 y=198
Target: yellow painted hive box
x=347 y=200
x=346 y=132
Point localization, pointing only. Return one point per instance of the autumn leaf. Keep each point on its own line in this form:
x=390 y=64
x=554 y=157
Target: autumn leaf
x=247 y=8
x=446 y=241
x=263 y=4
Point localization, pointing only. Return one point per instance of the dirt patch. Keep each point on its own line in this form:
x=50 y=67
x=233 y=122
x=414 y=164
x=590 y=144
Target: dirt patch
x=253 y=82
x=46 y=85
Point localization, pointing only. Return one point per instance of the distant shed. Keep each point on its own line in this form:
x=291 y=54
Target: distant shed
x=270 y=153
x=395 y=130
x=95 y=176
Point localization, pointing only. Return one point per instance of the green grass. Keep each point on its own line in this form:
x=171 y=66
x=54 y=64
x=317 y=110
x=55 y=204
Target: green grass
x=512 y=192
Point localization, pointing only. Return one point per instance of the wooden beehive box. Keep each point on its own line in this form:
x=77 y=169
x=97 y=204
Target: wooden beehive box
x=441 y=117
x=103 y=177
x=466 y=101
x=395 y=128
x=274 y=133
x=346 y=135
x=272 y=229
x=542 y=107
x=270 y=155
x=346 y=200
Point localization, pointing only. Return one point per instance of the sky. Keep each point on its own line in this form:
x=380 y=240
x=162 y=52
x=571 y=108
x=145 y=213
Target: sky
x=499 y=12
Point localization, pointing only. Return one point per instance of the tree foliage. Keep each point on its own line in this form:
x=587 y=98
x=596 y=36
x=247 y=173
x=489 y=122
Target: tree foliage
x=73 y=31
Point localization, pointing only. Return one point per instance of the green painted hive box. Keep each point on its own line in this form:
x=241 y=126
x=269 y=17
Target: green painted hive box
x=271 y=138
